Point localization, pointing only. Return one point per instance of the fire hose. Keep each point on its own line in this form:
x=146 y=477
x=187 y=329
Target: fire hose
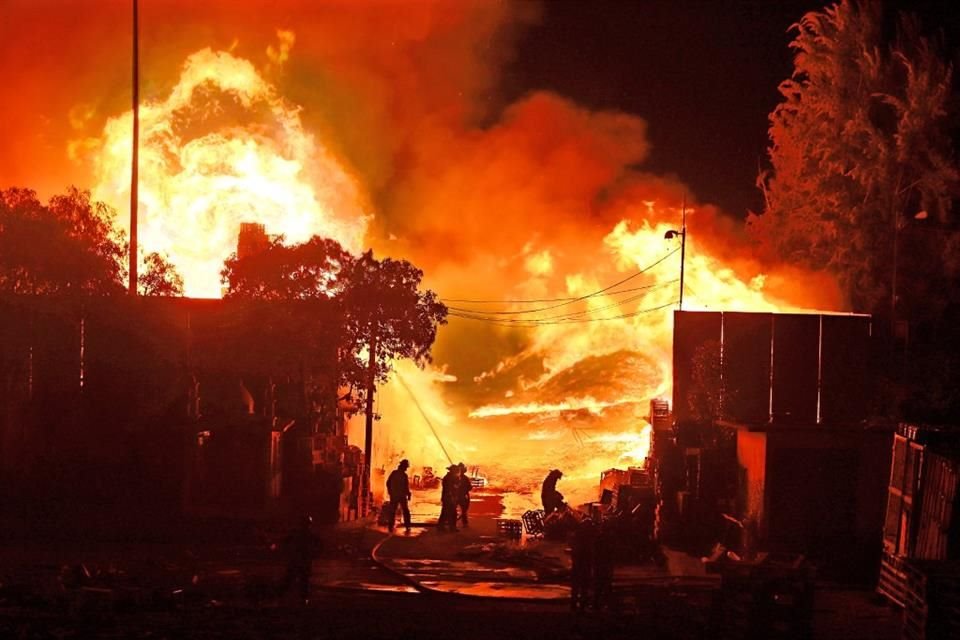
x=425 y=418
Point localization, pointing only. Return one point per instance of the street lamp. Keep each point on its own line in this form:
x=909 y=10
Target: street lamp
x=673 y=233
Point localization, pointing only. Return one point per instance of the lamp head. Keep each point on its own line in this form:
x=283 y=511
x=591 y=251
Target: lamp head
x=669 y=235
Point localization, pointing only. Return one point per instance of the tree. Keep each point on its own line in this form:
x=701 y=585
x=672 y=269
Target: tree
x=387 y=316
x=159 y=277
x=384 y=314
x=380 y=301
x=69 y=247
x=312 y=270
x=859 y=144
x=300 y=332
x=62 y=248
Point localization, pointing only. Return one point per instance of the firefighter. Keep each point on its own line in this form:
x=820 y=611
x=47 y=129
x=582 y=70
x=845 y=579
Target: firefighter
x=463 y=494
x=551 y=498
x=450 y=491
x=398 y=488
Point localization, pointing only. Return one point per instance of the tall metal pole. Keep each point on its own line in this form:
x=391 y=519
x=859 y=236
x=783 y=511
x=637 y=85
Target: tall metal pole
x=134 y=166
x=368 y=433
x=683 y=245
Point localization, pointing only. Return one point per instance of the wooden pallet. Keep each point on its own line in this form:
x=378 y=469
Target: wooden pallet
x=893 y=579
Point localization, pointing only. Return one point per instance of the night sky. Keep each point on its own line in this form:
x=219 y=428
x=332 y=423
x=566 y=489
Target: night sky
x=703 y=74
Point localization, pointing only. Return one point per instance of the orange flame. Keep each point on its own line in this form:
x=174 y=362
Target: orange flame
x=572 y=390
x=223 y=148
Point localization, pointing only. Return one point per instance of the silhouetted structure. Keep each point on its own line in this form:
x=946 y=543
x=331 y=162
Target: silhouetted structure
x=921 y=531
x=770 y=413
x=166 y=405
x=251 y=240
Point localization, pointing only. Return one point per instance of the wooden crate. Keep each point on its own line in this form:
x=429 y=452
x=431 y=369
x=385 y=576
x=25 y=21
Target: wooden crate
x=509 y=528
x=936 y=513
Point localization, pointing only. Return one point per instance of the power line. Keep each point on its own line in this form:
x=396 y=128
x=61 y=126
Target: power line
x=645 y=287
x=572 y=314
x=533 y=322
x=623 y=301
x=560 y=301
x=631 y=289
x=537 y=323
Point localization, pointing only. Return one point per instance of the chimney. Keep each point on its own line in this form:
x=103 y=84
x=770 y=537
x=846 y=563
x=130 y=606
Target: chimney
x=251 y=240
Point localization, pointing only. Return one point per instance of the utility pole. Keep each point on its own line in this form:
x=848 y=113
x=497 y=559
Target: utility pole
x=368 y=433
x=683 y=245
x=673 y=233
x=134 y=165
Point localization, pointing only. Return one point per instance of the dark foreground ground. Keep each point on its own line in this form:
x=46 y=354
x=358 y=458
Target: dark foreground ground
x=219 y=581
x=343 y=615
x=398 y=615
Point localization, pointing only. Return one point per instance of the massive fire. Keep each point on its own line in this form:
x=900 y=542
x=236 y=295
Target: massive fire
x=601 y=358
x=223 y=148
x=518 y=387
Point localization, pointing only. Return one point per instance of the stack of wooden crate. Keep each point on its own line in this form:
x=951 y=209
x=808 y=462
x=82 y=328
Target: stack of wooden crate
x=932 y=595
x=921 y=500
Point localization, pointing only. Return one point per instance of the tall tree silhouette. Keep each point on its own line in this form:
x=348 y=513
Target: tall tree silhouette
x=68 y=247
x=384 y=311
x=858 y=146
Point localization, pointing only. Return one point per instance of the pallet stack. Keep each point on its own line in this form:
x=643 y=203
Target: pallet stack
x=893 y=578
x=922 y=497
x=932 y=600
